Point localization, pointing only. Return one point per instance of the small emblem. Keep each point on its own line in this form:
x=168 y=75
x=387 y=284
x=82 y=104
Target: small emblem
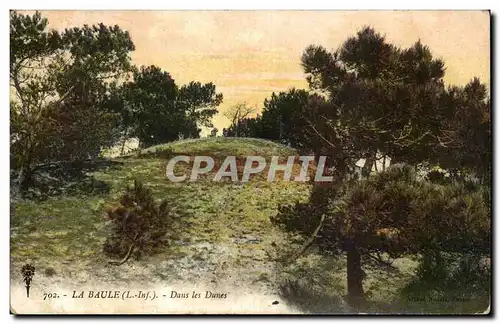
x=28 y=272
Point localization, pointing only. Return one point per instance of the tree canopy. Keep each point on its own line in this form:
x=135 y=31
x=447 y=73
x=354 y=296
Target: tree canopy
x=380 y=98
x=370 y=99
x=76 y=92
x=61 y=82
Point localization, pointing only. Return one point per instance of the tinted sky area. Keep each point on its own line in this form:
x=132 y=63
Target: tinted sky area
x=250 y=54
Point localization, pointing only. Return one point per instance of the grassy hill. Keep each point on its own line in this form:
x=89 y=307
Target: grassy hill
x=220 y=228
x=221 y=233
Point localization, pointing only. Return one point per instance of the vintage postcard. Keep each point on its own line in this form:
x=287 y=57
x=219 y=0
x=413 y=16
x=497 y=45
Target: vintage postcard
x=250 y=162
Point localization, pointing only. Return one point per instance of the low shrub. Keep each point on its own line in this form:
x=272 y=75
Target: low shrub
x=138 y=225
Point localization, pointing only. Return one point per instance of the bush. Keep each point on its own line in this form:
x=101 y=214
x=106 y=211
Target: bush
x=451 y=277
x=138 y=224
x=63 y=133
x=303 y=217
x=397 y=214
x=452 y=217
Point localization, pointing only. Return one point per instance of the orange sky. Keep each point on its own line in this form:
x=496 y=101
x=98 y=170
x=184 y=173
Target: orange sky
x=250 y=54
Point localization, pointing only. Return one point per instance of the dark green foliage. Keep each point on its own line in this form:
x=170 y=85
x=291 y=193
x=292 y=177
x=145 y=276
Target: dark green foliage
x=76 y=132
x=395 y=213
x=62 y=81
x=32 y=28
x=247 y=127
x=391 y=101
x=281 y=117
x=281 y=120
x=304 y=217
x=373 y=99
x=138 y=224
x=417 y=215
x=200 y=102
x=150 y=112
x=155 y=110
x=467 y=146
x=452 y=278
x=72 y=97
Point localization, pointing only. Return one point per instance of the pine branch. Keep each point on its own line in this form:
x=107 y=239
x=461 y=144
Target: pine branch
x=308 y=243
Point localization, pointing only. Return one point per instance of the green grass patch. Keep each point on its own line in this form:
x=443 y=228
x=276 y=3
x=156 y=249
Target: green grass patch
x=73 y=228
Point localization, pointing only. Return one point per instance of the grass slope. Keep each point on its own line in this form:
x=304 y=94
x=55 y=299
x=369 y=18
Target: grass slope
x=222 y=233
x=220 y=227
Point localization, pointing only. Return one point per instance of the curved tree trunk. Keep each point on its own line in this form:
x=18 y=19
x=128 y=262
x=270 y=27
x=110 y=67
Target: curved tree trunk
x=355 y=274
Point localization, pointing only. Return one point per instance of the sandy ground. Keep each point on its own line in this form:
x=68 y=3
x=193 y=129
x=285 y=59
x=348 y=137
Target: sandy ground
x=144 y=299
x=223 y=278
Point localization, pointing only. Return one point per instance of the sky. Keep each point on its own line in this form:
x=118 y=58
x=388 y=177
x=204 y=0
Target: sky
x=250 y=54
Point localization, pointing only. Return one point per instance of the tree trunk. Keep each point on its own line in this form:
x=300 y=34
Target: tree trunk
x=282 y=126
x=24 y=175
x=367 y=168
x=122 y=151
x=21 y=179
x=355 y=274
